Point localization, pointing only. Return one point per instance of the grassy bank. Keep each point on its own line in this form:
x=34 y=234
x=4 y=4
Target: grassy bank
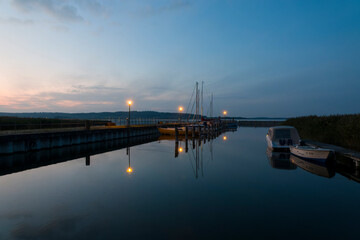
x=18 y=123
x=341 y=130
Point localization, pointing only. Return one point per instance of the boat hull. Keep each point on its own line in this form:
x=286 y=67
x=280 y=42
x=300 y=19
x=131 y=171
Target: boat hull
x=171 y=131
x=317 y=154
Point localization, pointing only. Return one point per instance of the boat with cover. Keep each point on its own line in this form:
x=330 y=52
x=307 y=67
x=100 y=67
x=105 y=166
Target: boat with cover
x=282 y=137
x=313 y=153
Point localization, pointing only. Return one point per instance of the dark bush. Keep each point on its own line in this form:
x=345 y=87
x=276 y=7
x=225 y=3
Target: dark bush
x=341 y=130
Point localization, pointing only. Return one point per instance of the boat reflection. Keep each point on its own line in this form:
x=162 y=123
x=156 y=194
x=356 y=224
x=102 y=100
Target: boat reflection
x=280 y=160
x=287 y=161
x=320 y=169
x=193 y=147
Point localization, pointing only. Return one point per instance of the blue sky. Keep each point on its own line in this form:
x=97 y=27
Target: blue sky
x=259 y=58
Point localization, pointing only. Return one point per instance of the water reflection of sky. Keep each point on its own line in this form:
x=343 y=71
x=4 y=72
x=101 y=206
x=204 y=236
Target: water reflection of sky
x=237 y=194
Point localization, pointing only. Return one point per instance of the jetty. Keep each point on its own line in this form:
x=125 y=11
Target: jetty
x=30 y=140
x=348 y=153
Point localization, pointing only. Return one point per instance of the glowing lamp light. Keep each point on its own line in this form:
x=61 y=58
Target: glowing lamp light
x=181 y=109
x=224 y=138
x=181 y=149
x=129 y=102
x=224 y=112
x=129 y=170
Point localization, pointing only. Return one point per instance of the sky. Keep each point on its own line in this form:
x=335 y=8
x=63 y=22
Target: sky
x=272 y=58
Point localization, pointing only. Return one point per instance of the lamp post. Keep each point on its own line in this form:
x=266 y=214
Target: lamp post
x=129 y=103
x=224 y=113
x=180 y=111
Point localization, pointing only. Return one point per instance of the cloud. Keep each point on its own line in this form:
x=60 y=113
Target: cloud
x=94 y=7
x=173 y=5
x=96 y=98
x=76 y=98
x=60 y=28
x=16 y=21
x=61 y=10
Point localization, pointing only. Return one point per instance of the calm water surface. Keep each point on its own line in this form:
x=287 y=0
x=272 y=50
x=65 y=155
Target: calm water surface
x=235 y=189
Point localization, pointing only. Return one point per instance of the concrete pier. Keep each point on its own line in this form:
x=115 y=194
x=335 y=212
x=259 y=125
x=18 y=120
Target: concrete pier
x=18 y=162
x=26 y=142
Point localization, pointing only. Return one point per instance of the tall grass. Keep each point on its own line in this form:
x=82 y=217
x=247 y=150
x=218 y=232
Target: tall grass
x=341 y=130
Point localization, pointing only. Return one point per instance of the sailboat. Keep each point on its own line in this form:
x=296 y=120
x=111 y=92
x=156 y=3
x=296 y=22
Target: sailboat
x=192 y=127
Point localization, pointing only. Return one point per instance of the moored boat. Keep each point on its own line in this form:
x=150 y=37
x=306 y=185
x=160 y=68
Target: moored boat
x=181 y=130
x=313 y=153
x=282 y=137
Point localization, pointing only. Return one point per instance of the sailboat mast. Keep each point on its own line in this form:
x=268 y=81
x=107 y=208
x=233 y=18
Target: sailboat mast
x=211 y=105
x=197 y=102
x=202 y=99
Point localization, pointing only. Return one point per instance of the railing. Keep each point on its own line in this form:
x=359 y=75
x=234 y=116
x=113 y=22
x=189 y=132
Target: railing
x=47 y=125
x=86 y=123
x=143 y=121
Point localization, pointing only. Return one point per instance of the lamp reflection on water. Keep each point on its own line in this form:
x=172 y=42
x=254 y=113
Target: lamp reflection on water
x=129 y=170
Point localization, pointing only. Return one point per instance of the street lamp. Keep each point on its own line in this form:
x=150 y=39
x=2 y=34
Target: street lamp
x=129 y=102
x=180 y=110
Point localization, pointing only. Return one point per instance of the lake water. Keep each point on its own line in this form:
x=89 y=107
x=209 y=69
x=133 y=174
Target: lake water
x=234 y=189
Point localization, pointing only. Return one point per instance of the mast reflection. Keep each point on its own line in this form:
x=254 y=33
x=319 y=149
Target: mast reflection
x=195 y=152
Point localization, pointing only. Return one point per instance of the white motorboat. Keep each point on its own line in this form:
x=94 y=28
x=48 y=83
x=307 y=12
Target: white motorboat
x=313 y=153
x=282 y=137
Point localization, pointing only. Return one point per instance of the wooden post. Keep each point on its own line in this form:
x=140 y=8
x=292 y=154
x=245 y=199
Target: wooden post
x=186 y=133
x=87 y=125
x=87 y=160
x=176 y=134
x=176 y=149
x=357 y=164
x=193 y=132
